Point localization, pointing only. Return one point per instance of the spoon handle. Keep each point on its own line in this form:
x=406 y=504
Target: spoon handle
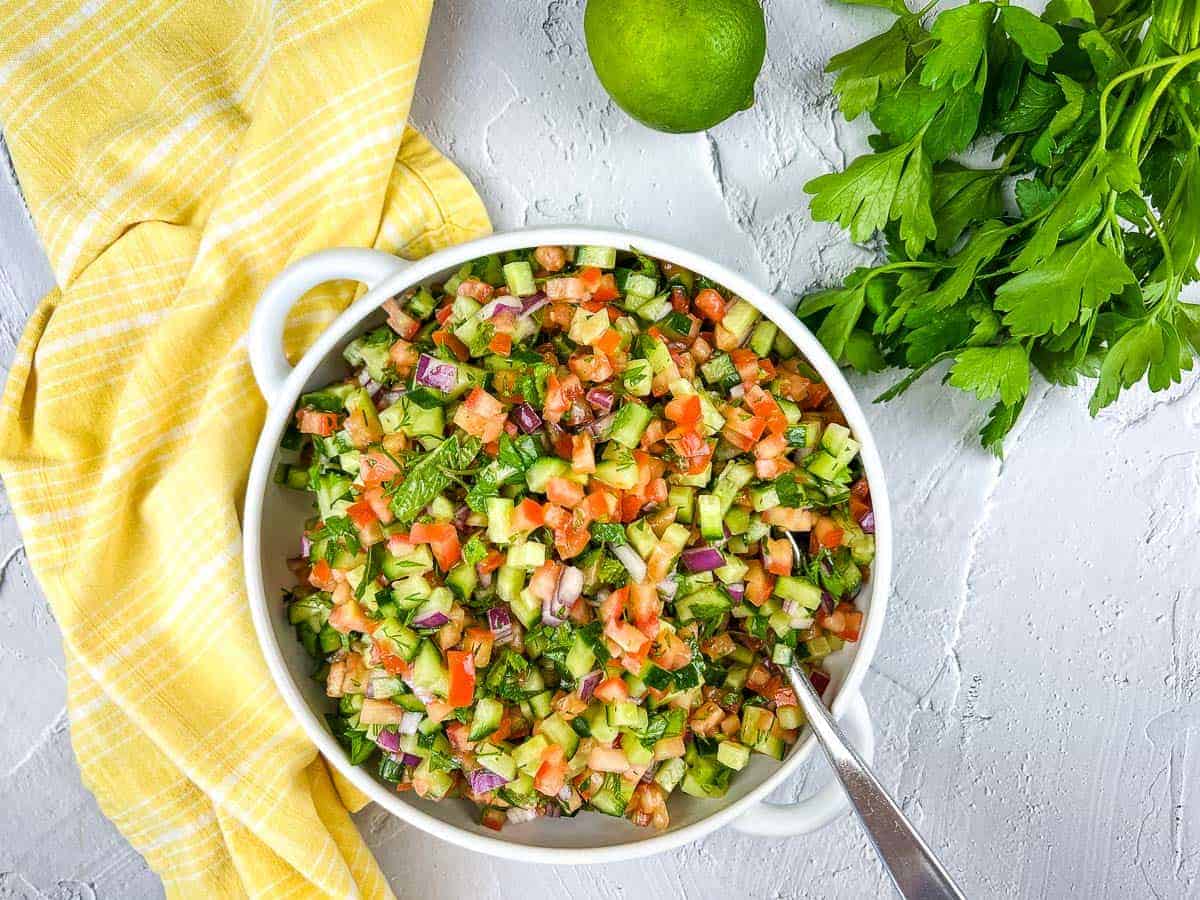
x=915 y=871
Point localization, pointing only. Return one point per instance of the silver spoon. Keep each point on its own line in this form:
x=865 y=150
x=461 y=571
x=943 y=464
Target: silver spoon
x=914 y=869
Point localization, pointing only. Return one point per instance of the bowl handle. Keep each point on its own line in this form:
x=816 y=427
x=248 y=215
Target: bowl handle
x=817 y=811
x=265 y=338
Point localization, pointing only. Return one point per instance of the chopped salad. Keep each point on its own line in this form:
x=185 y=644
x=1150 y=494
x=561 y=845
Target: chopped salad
x=549 y=567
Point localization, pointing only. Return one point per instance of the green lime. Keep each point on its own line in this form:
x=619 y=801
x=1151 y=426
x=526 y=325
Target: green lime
x=677 y=65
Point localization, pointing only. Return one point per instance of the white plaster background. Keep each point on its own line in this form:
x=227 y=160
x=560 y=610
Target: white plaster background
x=1037 y=691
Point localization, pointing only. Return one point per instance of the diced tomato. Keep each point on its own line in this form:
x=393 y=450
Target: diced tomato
x=443 y=338
x=349 y=616
x=684 y=412
x=599 y=505
x=594 y=367
x=552 y=773
x=789 y=517
x=613 y=605
x=313 y=421
x=362 y=514
x=606 y=290
x=402 y=323
x=772 y=468
x=746 y=362
x=321 y=576
x=478 y=642
x=610 y=690
x=818 y=393
x=763 y=406
x=827 y=533
x=560 y=394
x=444 y=313
x=590 y=276
x=501 y=343
x=462 y=678
x=481 y=415
x=491 y=562
x=438 y=711
x=403 y=357
x=693 y=450
x=861 y=489
x=771 y=447
x=793 y=386
x=475 y=289
x=378 y=499
x=583 y=454
x=571 y=541
x=443 y=540
x=742 y=429
x=710 y=304
x=528 y=515
x=544 y=582
x=482 y=403
x=564 y=492
x=853 y=626
x=670 y=651
x=609 y=342
x=644 y=603
x=858 y=508
x=779 y=556
x=377 y=468
x=759 y=584
x=493 y=818
x=571 y=288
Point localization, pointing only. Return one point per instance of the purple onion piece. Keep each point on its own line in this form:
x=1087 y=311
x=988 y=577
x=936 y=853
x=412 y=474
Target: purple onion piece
x=587 y=684
x=436 y=373
x=868 y=523
x=435 y=619
x=601 y=399
x=500 y=305
x=500 y=623
x=305 y=546
x=579 y=414
x=461 y=515
x=736 y=591
x=550 y=810
x=827 y=603
x=409 y=722
x=648 y=775
x=388 y=740
x=553 y=614
x=702 y=559
x=483 y=780
x=526 y=418
x=600 y=428
x=532 y=303
x=411 y=759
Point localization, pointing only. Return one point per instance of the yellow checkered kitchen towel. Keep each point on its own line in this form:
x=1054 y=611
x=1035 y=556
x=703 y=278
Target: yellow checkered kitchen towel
x=175 y=155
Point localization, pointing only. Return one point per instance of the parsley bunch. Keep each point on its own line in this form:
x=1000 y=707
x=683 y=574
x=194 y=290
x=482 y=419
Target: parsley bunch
x=1067 y=254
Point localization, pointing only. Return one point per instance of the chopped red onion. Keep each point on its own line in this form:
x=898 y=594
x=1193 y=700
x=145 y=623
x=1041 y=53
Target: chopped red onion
x=600 y=428
x=434 y=619
x=305 y=546
x=601 y=399
x=702 y=559
x=736 y=591
x=411 y=759
x=565 y=793
x=827 y=603
x=526 y=418
x=820 y=681
x=517 y=816
x=500 y=305
x=633 y=563
x=553 y=614
x=409 y=722
x=484 y=780
x=388 y=740
x=648 y=775
x=532 y=303
x=460 y=517
x=570 y=586
x=587 y=684
x=550 y=810
x=668 y=588
x=579 y=414
x=436 y=373
x=868 y=522
x=500 y=623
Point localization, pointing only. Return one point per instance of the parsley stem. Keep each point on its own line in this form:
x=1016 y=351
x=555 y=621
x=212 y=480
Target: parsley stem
x=1180 y=62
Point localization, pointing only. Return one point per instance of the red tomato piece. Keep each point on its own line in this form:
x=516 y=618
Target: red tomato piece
x=462 y=678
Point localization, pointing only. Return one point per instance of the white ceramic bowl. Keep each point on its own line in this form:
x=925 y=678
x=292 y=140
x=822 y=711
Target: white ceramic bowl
x=272 y=525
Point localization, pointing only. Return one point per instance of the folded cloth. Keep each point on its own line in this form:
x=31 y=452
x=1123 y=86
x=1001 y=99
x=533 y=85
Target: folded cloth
x=175 y=156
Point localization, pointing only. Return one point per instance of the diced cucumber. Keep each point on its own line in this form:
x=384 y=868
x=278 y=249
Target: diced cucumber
x=597 y=719
x=462 y=580
x=756 y=721
x=510 y=580
x=798 y=590
x=488 y=713
x=429 y=673
x=437 y=783
x=500 y=518
x=706 y=778
x=683 y=498
x=733 y=571
x=413 y=419
x=581 y=658
x=638 y=377
x=657 y=353
x=764 y=497
x=763 y=337
x=559 y=732
x=734 y=477
x=528 y=756
x=739 y=319
x=720 y=372
x=706 y=603
x=496 y=760
x=543 y=469
x=440 y=600
x=670 y=773
x=627 y=714
x=600 y=257
x=526 y=555
x=737 y=520
x=733 y=755
x=835 y=437
x=613 y=798
x=711 y=509
x=518 y=276
x=630 y=424
x=619 y=471
x=642 y=537
x=527 y=608
x=587 y=327
x=636 y=752
x=639 y=285
x=396 y=638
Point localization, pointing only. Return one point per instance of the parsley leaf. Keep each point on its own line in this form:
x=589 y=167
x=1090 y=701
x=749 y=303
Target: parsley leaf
x=875 y=66
x=987 y=371
x=1036 y=39
x=962 y=34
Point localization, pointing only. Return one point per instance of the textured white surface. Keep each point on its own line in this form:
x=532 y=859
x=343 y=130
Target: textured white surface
x=1037 y=693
